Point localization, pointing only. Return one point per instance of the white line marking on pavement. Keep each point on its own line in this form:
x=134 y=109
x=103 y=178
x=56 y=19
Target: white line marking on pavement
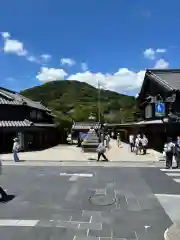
x=170 y=204
x=176 y=180
x=77 y=174
x=17 y=223
x=170 y=170
x=173 y=174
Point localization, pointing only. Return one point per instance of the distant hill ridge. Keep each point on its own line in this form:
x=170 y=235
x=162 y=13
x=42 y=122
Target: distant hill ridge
x=80 y=99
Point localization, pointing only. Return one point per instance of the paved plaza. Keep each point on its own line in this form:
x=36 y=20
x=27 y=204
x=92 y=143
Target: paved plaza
x=93 y=203
x=71 y=153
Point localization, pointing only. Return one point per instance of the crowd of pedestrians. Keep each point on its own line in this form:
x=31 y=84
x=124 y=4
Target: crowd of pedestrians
x=138 y=143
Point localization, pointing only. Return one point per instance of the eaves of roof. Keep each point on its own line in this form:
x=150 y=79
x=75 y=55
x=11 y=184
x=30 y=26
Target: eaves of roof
x=160 y=81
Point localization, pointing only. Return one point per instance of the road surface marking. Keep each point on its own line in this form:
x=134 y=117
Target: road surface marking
x=169 y=170
x=77 y=174
x=17 y=223
x=176 y=180
x=170 y=203
x=173 y=174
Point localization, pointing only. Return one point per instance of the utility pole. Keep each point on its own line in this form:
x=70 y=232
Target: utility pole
x=99 y=103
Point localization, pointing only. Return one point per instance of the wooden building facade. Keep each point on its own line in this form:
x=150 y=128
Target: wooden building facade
x=159 y=105
x=30 y=121
x=159 y=101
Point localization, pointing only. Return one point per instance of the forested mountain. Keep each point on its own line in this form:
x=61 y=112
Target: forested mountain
x=78 y=99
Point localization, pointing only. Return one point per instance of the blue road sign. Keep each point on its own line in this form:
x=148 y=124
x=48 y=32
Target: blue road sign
x=159 y=109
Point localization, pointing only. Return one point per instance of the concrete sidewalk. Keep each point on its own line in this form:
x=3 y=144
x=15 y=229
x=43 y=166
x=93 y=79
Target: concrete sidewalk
x=72 y=153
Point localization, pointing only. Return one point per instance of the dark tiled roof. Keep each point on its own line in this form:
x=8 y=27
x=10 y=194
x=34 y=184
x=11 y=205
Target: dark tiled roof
x=4 y=101
x=24 y=123
x=14 y=98
x=168 y=77
x=82 y=125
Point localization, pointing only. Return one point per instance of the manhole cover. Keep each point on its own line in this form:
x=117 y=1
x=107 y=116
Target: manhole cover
x=102 y=200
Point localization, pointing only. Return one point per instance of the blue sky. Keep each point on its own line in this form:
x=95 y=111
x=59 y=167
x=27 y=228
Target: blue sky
x=112 y=42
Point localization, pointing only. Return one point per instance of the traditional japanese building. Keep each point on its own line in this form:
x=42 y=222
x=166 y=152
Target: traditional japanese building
x=159 y=103
x=30 y=121
x=159 y=108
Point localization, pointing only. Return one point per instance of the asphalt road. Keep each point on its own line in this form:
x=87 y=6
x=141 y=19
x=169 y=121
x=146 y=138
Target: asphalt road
x=79 y=203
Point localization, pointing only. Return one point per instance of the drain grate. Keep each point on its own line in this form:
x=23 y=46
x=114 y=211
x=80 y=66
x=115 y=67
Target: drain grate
x=102 y=200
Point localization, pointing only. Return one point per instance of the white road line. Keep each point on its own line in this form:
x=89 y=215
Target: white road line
x=170 y=170
x=176 y=180
x=77 y=174
x=17 y=223
x=173 y=174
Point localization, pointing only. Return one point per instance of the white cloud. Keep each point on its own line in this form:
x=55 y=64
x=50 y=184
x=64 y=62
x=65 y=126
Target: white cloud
x=32 y=59
x=161 y=64
x=51 y=74
x=46 y=57
x=84 y=67
x=161 y=50
x=5 y=34
x=14 y=46
x=149 y=53
x=122 y=80
x=67 y=61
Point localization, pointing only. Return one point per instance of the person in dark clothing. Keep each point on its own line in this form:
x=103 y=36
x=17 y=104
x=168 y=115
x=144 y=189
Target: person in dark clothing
x=169 y=150
x=177 y=152
x=3 y=194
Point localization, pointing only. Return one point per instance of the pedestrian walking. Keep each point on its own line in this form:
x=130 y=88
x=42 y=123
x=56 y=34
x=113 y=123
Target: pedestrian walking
x=107 y=141
x=15 y=149
x=101 y=152
x=118 y=140
x=4 y=196
x=138 y=144
x=131 y=142
x=169 y=150
x=144 y=144
x=177 y=152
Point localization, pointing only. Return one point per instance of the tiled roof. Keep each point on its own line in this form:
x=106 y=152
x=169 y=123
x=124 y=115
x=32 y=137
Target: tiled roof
x=82 y=125
x=24 y=123
x=14 y=98
x=168 y=77
x=4 y=101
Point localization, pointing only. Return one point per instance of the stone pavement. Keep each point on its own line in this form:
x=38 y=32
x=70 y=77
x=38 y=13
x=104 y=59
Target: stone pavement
x=80 y=203
x=72 y=153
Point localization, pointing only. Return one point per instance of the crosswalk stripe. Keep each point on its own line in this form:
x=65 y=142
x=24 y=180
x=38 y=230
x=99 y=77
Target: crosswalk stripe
x=173 y=174
x=170 y=170
x=17 y=223
x=176 y=180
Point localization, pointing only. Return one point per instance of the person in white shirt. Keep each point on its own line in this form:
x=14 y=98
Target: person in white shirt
x=169 y=151
x=131 y=142
x=15 y=149
x=101 y=152
x=118 y=140
x=138 y=144
x=144 y=144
